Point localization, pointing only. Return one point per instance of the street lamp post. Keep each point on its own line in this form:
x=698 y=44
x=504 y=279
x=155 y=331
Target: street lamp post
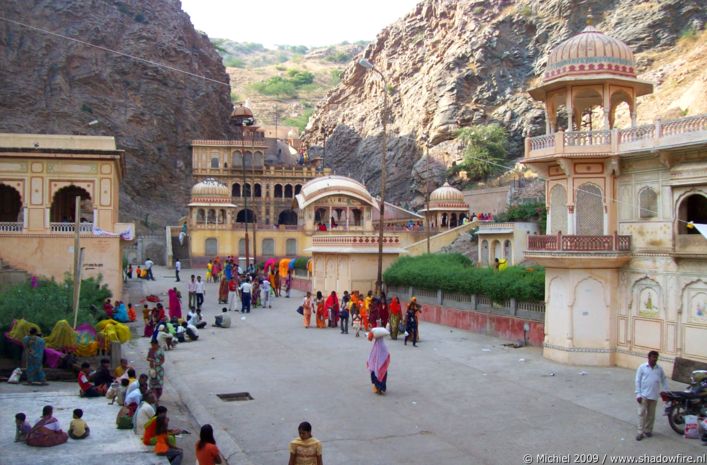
x=245 y=203
x=369 y=66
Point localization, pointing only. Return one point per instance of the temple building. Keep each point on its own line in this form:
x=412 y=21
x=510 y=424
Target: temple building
x=40 y=178
x=624 y=272
x=447 y=207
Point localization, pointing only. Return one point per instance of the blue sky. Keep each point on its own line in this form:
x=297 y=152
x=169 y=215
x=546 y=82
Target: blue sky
x=304 y=22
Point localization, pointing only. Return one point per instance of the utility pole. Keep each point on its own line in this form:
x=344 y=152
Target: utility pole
x=245 y=205
x=78 y=256
x=427 y=193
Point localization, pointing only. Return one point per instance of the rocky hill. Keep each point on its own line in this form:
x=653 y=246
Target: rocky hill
x=50 y=84
x=453 y=64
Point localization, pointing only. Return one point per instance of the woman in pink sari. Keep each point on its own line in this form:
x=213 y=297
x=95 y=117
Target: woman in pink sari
x=175 y=306
x=377 y=364
x=46 y=432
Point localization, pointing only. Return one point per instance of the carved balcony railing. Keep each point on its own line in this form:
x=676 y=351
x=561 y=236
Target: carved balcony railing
x=661 y=134
x=70 y=227
x=572 y=243
x=583 y=138
x=351 y=240
x=10 y=227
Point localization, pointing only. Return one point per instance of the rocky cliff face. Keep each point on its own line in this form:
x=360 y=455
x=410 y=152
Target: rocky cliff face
x=450 y=64
x=52 y=85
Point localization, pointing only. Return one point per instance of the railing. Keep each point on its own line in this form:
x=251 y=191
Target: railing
x=6 y=226
x=625 y=140
x=684 y=125
x=542 y=142
x=582 y=138
x=572 y=243
x=353 y=240
x=636 y=134
x=477 y=302
x=69 y=227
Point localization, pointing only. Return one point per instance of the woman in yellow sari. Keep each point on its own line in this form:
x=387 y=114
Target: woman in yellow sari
x=209 y=271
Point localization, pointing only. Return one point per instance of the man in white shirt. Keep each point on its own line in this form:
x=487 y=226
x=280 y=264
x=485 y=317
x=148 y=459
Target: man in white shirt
x=135 y=397
x=223 y=320
x=148 y=264
x=136 y=384
x=246 y=289
x=177 y=268
x=192 y=292
x=144 y=413
x=200 y=289
x=650 y=382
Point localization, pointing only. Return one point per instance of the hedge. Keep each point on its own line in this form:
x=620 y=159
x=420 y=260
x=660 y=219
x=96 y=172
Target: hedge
x=456 y=273
x=50 y=302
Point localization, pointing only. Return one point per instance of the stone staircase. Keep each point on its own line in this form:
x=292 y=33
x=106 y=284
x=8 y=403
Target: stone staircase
x=181 y=251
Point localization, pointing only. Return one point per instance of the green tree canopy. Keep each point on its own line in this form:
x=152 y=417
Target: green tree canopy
x=485 y=149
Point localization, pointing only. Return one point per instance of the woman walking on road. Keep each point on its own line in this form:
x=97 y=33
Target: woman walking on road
x=156 y=359
x=307 y=309
x=377 y=364
x=411 y=322
x=321 y=311
x=395 y=314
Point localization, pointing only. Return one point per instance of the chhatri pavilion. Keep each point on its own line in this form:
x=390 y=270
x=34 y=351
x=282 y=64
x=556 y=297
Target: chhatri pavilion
x=624 y=272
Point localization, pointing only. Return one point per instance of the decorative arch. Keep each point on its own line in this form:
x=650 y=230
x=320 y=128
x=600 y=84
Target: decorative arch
x=646 y=298
x=692 y=206
x=257 y=190
x=288 y=191
x=245 y=215
x=508 y=251
x=484 y=252
x=558 y=209
x=648 y=203
x=693 y=301
x=247 y=190
x=617 y=99
x=211 y=216
x=10 y=203
x=298 y=189
x=277 y=192
x=63 y=204
x=589 y=210
x=496 y=249
x=214 y=162
x=236 y=159
x=590 y=314
x=236 y=190
x=287 y=217
x=248 y=159
x=200 y=216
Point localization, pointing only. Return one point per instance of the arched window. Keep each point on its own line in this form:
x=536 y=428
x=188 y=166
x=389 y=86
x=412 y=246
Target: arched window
x=291 y=247
x=590 y=210
x=10 y=204
x=288 y=191
x=200 y=216
x=298 y=189
x=497 y=249
x=287 y=217
x=245 y=215
x=211 y=247
x=558 y=210
x=248 y=159
x=221 y=216
x=258 y=190
x=214 y=163
x=357 y=217
x=320 y=215
x=648 y=202
x=246 y=190
x=236 y=190
x=211 y=216
x=64 y=205
x=236 y=159
x=484 y=252
x=453 y=221
x=278 y=191
x=444 y=220
x=692 y=208
x=268 y=247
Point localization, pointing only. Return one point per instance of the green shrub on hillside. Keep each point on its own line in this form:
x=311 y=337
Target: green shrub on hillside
x=456 y=273
x=299 y=77
x=300 y=121
x=234 y=62
x=50 y=302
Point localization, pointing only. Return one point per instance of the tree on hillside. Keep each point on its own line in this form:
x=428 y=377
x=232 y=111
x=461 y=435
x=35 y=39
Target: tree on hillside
x=485 y=149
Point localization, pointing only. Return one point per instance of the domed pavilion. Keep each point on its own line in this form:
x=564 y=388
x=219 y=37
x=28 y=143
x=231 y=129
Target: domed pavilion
x=210 y=204
x=447 y=208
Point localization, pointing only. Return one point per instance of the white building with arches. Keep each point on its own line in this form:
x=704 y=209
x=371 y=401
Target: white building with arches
x=624 y=273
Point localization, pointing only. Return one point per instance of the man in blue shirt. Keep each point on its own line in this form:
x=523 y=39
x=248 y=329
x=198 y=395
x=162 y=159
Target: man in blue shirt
x=650 y=382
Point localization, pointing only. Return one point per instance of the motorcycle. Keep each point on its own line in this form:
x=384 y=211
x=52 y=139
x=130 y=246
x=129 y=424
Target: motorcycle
x=691 y=401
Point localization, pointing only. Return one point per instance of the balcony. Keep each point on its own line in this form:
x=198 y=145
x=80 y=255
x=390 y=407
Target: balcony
x=571 y=251
x=11 y=227
x=661 y=135
x=70 y=227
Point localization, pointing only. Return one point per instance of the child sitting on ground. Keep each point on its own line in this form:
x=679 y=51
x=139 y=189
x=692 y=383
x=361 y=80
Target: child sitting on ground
x=78 y=429
x=22 y=427
x=117 y=391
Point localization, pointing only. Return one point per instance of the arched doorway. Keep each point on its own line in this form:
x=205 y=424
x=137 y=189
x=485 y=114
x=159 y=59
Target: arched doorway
x=245 y=216
x=288 y=217
x=63 y=205
x=692 y=208
x=10 y=204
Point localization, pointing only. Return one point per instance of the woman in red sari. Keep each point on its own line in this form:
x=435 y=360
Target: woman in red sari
x=332 y=307
x=46 y=432
x=395 y=315
x=175 y=306
x=322 y=314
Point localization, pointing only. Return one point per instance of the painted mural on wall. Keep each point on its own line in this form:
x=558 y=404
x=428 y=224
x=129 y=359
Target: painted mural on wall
x=648 y=303
x=697 y=305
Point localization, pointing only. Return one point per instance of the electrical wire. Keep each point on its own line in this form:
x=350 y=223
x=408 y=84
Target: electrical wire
x=116 y=52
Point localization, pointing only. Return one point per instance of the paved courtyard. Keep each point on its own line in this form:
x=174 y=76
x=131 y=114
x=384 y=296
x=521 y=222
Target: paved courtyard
x=458 y=398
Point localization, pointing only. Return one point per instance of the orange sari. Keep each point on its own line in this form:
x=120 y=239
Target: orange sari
x=321 y=314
